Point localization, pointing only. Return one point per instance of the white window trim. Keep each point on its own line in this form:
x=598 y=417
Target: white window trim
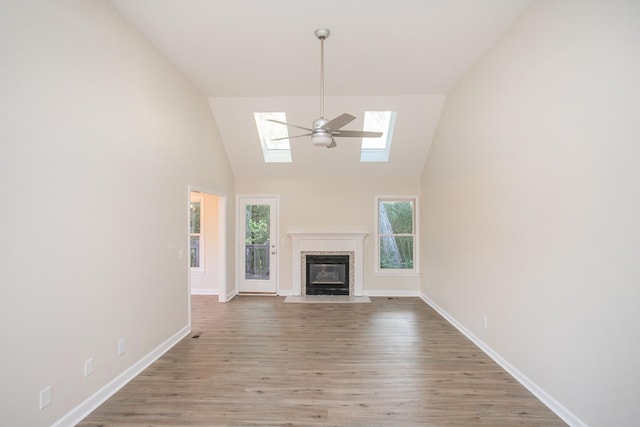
x=198 y=198
x=416 y=244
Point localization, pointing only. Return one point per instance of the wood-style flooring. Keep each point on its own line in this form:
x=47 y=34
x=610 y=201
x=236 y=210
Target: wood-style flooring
x=260 y=361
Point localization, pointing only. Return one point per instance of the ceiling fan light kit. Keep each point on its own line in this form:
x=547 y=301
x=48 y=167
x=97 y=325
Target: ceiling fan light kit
x=323 y=131
x=322 y=139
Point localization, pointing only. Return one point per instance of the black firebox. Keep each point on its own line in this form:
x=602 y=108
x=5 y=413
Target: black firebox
x=327 y=275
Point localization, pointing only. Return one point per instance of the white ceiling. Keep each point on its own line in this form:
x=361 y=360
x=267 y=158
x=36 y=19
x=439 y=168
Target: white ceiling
x=257 y=55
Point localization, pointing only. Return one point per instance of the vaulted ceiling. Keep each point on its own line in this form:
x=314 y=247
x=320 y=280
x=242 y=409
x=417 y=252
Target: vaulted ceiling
x=255 y=55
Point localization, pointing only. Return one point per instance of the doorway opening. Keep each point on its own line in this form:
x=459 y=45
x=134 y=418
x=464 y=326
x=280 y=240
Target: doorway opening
x=207 y=242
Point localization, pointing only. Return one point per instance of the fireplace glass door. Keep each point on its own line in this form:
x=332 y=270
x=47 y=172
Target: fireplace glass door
x=327 y=275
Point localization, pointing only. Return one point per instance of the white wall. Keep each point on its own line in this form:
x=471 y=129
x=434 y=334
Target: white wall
x=99 y=139
x=332 y=204
x=531 y=205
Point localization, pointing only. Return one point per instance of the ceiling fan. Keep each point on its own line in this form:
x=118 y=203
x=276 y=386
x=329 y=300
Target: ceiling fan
x=323 y=131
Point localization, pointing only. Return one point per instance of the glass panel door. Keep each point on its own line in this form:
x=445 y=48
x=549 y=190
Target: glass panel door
x=257 y=240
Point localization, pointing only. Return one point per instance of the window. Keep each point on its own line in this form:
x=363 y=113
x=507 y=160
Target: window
x=196 y=253
x=274 y=149
x=396 y=235
x=377 y=149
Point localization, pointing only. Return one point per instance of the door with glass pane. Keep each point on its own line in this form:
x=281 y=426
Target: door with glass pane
x=257 y=243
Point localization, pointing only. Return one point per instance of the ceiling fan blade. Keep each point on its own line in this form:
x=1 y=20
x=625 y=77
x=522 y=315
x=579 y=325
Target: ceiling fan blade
x=289 y=124
x=333 y=143
x=356 y=134
x=339 y=122
x=290 y=137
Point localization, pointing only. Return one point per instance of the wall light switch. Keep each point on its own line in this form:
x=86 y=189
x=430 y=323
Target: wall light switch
x=45 y=397
x=88 y=367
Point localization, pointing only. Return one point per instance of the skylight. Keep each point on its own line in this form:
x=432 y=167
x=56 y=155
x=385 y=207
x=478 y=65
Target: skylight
x=273 y=151
x=377 y=149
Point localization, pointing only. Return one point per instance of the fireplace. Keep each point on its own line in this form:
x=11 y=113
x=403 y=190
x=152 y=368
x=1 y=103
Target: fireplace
x=321 y=243
x=327 y=275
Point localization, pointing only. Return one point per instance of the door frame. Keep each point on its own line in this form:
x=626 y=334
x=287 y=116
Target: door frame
x=240 y=245
x=222 y=242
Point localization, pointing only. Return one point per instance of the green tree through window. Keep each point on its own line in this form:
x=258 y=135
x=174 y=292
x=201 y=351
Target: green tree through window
x=396 y=232
x=257 y=223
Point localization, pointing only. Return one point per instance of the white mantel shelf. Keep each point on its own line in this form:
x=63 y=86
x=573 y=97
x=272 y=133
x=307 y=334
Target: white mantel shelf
x=319 y=235
x=324 y=241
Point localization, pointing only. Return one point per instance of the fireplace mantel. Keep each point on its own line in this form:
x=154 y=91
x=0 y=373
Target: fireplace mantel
x=318 y=235
x=327 y=242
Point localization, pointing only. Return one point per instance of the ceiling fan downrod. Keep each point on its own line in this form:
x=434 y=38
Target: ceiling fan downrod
x=322 y=34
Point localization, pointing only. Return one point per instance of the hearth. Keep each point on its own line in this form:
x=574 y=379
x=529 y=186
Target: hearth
x=327 y=275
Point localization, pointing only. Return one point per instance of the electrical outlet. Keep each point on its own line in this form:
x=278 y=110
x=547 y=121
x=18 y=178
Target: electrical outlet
x=122 y=347
x=485 y=322
x=45 y=397
x=88 y=367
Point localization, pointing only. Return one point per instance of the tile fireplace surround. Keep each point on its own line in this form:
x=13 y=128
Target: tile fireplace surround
x=320 y=242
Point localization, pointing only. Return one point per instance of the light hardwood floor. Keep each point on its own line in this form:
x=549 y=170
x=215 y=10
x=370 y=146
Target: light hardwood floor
x=260 y=361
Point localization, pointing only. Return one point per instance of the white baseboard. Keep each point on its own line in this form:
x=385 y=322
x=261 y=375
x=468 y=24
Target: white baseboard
x=392 y=293
x=230 y=296
x=204 y=291
x=562 y=412
x=285 y=293
x=81 y=411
